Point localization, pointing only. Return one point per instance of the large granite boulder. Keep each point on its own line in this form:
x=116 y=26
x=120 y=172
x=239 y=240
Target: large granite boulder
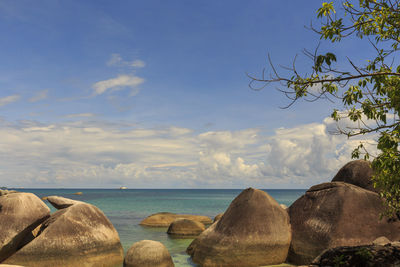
x=61 y=202
x=356 y=172
x=360 y=256
x=79 y=235
x=148 y=253
x=20 y=213
x=254 y=231
x=185 y=227
x=164 y=219
x=336 y=214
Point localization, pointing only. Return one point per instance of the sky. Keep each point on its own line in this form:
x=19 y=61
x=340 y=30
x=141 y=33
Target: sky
x=154 y=94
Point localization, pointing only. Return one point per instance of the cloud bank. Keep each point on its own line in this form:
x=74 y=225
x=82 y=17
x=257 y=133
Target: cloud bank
x=103 y=154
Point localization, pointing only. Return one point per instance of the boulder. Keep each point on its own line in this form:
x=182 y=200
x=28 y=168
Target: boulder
x=360 y=256
x=382 y=240
x=20 y=213
x=80 y=235
x=218 y=217
x=6 y=192
x=148 y=253
x=356 y=172
x=185 y=227
x=164 y=219
x=254 y=231
x=336 y=214
x=61 y=202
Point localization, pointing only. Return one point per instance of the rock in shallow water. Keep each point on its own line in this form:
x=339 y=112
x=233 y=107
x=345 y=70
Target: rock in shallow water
x=185 y=227
x=148 y=253
x=164 y=219
x=254 y=231
x=80 y=235
x=336 y=214
x=20 y=213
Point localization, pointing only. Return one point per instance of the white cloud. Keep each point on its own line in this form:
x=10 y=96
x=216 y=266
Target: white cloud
x=137 y=63
x=116 y=60
x=117 y=83
x=8 y=99
x=100 y=154
x=80 y=115
x=39 y=96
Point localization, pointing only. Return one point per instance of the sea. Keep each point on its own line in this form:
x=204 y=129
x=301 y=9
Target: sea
x=126 y=208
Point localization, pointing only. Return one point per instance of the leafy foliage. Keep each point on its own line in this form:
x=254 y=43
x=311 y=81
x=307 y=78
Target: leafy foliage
x=370 y=94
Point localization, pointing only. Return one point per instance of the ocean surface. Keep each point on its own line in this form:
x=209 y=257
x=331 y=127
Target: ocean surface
x=127 y=208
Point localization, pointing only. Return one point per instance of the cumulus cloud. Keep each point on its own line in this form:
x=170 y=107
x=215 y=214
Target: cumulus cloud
x=116 y=60
x=118 y=83
x=39 y=96
x=104 y=154
x=8 y=99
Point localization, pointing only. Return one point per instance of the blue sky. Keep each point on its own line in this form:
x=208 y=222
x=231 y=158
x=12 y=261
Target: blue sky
x=154 y=94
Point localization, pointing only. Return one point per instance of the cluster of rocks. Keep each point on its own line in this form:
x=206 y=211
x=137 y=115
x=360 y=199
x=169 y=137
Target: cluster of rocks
x=78 y=234
x=342 y=217
x=179 y=225
x=333 y=224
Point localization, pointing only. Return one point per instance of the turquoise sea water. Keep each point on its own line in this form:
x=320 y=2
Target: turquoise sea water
x=127 y=208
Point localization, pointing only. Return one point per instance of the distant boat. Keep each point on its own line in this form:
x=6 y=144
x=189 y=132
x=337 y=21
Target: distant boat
x=123 y=187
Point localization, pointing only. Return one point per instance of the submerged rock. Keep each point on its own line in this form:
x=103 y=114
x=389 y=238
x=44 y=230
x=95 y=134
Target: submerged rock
x=254 y=231
x=356 y=172
x=148 y=253
x=80 y=235
x=20 y=213
x=164 y=219
x=185 y=227
x=336 y=214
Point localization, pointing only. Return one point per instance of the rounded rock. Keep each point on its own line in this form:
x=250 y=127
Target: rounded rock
x=356 y=172
x=164 y=219
x=61 y=202
x=336 y=214
x=148 y=253
x=254 y=231
x=80 y=235
x=20 y=214
x=185 y=227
